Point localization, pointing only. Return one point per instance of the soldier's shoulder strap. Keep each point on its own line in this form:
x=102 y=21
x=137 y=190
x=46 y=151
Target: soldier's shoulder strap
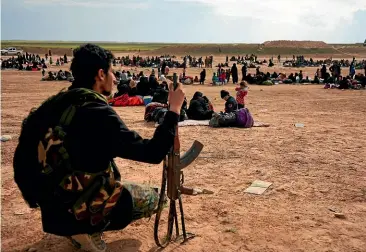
x=80 y=97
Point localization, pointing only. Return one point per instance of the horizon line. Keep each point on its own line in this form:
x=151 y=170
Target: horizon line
x=136 y=42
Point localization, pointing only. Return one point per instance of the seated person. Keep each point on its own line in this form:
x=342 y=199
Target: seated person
x=215 y=79
x=199 y=108
x=143 y=88
x=153 y=83
x=231 y=105
x=160 y=95
x=129 y=89
x=344 y=83
x=316 y=80
x=61 y=75
x=164 y=85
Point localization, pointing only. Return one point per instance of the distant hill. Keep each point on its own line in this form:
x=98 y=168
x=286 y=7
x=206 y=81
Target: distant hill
x=282 y=47
x=296 y=44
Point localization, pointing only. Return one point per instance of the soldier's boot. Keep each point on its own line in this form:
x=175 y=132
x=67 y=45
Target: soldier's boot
x=89 y=243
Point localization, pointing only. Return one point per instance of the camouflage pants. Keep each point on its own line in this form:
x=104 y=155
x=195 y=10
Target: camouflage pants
x=145 y=199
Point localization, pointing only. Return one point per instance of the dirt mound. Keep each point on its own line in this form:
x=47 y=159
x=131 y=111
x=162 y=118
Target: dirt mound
x=297 y=44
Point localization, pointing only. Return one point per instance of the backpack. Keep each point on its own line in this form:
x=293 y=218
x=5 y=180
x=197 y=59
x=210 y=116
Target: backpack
x=223 y=120
x=244 y=119
x=41 y=160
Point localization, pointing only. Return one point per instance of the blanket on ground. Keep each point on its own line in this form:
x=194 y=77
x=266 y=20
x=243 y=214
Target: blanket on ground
x=206 y=123
x=125 y=101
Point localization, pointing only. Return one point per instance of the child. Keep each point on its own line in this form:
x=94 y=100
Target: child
x=215 y=79
x=223 y=77
x=242 y=91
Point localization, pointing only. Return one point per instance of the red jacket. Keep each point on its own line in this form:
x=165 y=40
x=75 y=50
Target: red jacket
x=240 y=95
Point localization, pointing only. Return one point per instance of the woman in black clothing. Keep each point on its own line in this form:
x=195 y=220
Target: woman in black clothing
x=202 y=77
x=234 y=73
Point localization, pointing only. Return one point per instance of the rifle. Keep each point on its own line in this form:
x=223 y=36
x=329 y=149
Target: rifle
x=173 y=179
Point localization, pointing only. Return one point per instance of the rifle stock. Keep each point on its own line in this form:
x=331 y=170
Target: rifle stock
x=172 y=180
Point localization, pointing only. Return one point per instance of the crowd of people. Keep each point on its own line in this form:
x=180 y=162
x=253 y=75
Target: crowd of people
x=223 y=75
x=31 y=62
x=321 y=75
x=199 y=108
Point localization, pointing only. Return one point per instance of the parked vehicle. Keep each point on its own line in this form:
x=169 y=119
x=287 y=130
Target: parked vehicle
x=11 y=51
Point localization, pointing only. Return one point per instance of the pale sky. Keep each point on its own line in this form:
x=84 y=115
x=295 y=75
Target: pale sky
x=184 y=21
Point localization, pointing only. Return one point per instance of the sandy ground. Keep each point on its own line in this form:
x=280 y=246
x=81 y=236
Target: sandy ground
x=312 y=169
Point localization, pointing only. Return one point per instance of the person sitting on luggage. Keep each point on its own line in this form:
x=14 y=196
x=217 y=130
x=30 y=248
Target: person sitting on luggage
x=231 y=105
x=199 y=108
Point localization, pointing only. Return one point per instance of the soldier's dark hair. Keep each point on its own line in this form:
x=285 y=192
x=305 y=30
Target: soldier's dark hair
x=87 y=61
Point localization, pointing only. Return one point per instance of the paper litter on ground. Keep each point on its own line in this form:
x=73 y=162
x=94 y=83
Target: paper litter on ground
x=299 y=125
x=258 y=187
x=5 y=138
x=260 y=124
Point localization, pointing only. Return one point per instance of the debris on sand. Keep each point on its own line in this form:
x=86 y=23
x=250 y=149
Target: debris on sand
x=334 y=210
x=5 y=138
x=299 y=125
x=339 y=215
x=258 y=187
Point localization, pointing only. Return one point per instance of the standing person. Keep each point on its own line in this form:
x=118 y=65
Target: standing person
x=244 y=70
x=352 y=71
x=227 y=75
x=242 y=91
x=203 y=77
x=64 y=159
x=163 y=66
x=323 y=72
x=230 y=105
x=234 y=73
x=223 y=77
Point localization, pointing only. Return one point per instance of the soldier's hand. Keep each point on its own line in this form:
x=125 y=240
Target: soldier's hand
x=176 y=98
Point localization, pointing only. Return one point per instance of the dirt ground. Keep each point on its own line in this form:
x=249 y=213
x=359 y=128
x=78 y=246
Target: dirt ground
x=313 y=169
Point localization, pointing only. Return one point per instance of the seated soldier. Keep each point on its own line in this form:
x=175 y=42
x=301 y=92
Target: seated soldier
x=199 y=108
x=231 y=105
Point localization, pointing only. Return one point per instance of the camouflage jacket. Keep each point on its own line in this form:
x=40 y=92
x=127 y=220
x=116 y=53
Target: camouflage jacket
x=89 y=196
